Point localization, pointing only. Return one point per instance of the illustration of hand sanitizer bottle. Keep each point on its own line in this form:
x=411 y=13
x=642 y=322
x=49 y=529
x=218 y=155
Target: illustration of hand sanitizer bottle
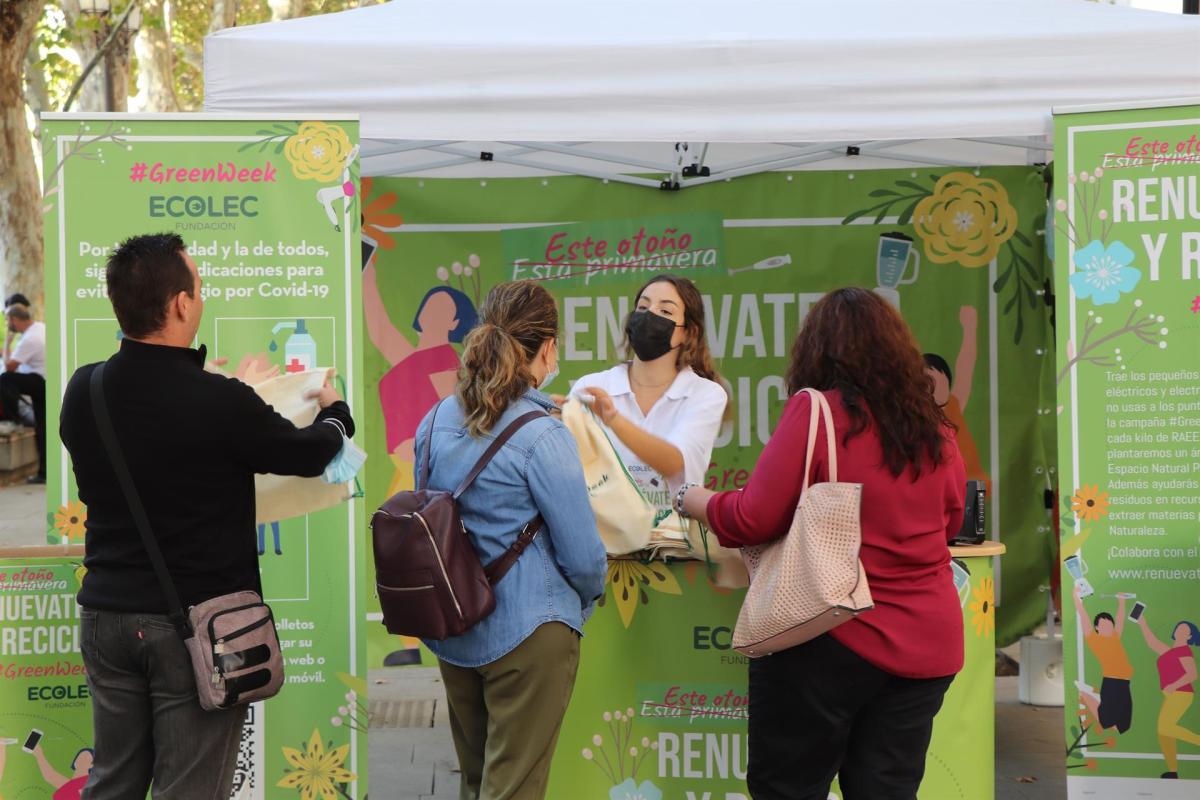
x=300 y=349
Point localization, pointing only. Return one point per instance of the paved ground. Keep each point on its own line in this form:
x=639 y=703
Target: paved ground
x=418 y=763
x=22 y=515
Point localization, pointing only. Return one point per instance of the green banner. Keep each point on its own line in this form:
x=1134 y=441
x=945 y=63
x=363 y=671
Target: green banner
x=46 y=721
x=961 y=253
x=1127 y=218
x=269 y=211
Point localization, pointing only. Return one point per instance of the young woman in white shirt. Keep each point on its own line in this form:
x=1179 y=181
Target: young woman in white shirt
x=664 y=407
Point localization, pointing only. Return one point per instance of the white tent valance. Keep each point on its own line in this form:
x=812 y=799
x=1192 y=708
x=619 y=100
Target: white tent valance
x=703 y=70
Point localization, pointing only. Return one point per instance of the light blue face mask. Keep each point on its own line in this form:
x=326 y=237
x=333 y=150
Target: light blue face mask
x=346 y=464
x=549 y=379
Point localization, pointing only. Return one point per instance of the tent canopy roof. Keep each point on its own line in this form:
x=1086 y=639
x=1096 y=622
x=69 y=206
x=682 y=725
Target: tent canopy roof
x=703 y=70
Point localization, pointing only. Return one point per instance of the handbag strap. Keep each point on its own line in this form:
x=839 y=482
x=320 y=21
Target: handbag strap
x=109 y=437
x=820 y=410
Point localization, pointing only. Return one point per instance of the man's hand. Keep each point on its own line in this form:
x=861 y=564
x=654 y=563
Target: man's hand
x=968 y=317
x=325 y=396
x=255 y=369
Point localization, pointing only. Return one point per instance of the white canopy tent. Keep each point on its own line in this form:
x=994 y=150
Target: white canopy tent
x=477 y=87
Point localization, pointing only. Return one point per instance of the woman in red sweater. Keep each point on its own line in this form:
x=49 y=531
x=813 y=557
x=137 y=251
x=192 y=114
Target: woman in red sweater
x=857 y=703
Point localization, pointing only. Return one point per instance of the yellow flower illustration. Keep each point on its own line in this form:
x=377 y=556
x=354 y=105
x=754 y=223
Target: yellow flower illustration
x=1089 y=503
x=630 y=579
x=965 y=220
x=316 y=772
x=984 y=606
x=69 y=520
x=318 y=151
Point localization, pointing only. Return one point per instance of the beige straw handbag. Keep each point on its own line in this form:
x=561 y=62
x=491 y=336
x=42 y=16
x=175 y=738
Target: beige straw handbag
x=811 y=580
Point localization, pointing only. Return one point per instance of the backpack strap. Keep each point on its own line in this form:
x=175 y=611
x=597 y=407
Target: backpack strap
x=500 y=567
x=423 y=481
x=494 y=448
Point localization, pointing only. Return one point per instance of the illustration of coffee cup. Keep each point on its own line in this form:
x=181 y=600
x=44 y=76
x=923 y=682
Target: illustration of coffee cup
x=892 y=260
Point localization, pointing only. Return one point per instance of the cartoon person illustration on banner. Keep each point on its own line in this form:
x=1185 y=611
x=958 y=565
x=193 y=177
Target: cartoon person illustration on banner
x=67 y=788
x=420 y=374
x=952 y=390
x=262 y=538
x=1176 y=676
x=1113 y=706
x=345 y=191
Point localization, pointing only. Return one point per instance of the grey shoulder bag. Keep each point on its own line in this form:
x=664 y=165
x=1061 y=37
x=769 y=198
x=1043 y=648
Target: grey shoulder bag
x=231 y=639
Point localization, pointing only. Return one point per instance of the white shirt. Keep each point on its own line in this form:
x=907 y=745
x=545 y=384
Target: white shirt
x=31 y=350
x=688 y=415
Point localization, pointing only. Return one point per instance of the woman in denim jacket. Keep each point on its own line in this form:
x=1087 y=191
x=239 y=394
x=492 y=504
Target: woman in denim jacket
x=509 y=679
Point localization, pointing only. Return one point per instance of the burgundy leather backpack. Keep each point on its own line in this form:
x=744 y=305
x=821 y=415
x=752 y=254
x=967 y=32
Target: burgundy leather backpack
x=431 y=583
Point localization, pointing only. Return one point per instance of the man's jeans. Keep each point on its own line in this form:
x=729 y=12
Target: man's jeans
x=149 y=726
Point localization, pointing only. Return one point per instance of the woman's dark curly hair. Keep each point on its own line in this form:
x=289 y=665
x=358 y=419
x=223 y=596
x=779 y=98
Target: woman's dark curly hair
x=852 y=340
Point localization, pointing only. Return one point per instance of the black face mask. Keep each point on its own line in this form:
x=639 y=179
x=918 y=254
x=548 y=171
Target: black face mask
x=650 y=334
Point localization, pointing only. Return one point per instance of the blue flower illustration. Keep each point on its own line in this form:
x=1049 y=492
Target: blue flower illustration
x=1104 y=274
x=629 y=790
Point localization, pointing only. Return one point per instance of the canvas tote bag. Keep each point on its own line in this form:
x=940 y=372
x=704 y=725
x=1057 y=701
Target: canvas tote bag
x=811 y=580
x=279 y=497
x=624 y=516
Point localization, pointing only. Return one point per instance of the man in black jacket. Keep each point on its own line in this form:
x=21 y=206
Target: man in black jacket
x=193 y=442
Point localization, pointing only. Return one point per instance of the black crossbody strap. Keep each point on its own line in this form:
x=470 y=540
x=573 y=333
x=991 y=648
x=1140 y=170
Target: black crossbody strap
x=109 y=437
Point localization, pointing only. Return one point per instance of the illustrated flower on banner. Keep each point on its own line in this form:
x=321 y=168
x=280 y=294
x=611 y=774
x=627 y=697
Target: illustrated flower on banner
x=318 y=151
x=1103 y=273
x=69 y=520
x=629 y=580
x=621 y=765
x=983 y=606
x=965 y=220
x=317 y=773
x=1089 y=503
x=378 y=215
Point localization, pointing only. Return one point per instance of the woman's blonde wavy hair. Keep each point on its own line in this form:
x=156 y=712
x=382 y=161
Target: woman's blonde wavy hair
x=517 y=318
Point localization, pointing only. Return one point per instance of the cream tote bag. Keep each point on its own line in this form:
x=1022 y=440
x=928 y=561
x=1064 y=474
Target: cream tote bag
x=811 y=580
x=623 y=514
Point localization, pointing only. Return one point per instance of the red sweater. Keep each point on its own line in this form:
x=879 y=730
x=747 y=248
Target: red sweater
x=916 y=627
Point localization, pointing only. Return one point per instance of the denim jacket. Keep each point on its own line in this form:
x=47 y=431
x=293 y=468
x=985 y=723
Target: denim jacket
x=563 y=572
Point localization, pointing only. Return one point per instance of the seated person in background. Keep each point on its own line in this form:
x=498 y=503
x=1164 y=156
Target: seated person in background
x=25 y=374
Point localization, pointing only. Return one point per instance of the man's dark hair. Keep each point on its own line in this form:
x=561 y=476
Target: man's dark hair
x=1103 y=615
x=16 y=299
x=143 y=275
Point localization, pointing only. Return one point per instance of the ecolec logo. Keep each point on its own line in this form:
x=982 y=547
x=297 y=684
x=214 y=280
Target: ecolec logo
x=706 y=638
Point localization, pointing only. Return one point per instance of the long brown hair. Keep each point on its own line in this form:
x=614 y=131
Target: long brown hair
x=517 y=318
x=852 y=340
x=694 y=351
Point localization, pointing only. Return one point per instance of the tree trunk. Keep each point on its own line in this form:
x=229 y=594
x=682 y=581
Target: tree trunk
x=118 y=66
x=20 y=197
x=156 y=60
x=286 y=9
x=224 y=15
x=85 y=44
x=37 y=94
